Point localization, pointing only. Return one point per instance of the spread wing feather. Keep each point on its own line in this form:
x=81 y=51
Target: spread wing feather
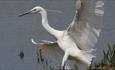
x=87 y=23
x=52 y=53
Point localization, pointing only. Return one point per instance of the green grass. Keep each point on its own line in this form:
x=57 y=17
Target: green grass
x=108 y=60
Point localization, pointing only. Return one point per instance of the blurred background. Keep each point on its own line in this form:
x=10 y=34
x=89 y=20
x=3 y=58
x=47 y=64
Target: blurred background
x=16 y=49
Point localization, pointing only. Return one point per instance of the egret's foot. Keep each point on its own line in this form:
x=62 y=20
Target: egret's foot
x=34 y=42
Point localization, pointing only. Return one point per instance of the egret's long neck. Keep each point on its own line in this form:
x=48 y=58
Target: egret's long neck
x=45 y=24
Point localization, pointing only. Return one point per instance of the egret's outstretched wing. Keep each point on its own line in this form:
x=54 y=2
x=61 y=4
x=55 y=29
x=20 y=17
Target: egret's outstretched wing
x=52 y=53
x=87 y=23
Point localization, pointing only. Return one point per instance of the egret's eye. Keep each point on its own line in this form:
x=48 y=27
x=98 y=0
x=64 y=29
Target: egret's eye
x=34 y=9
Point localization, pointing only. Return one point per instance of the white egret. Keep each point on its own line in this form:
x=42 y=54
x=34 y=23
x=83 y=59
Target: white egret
x=78 y=40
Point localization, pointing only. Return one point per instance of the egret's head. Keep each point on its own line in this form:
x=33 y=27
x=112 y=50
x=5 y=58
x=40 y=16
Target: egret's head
x=37 y=9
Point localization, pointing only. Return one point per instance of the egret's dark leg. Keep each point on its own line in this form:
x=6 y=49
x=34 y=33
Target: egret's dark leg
x=64 y=60
x=63 y=68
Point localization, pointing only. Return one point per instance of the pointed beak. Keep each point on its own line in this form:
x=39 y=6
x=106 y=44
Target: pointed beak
x=25 y=13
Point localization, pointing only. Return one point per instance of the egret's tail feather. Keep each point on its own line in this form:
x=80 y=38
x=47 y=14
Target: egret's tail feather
x=88 y=57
